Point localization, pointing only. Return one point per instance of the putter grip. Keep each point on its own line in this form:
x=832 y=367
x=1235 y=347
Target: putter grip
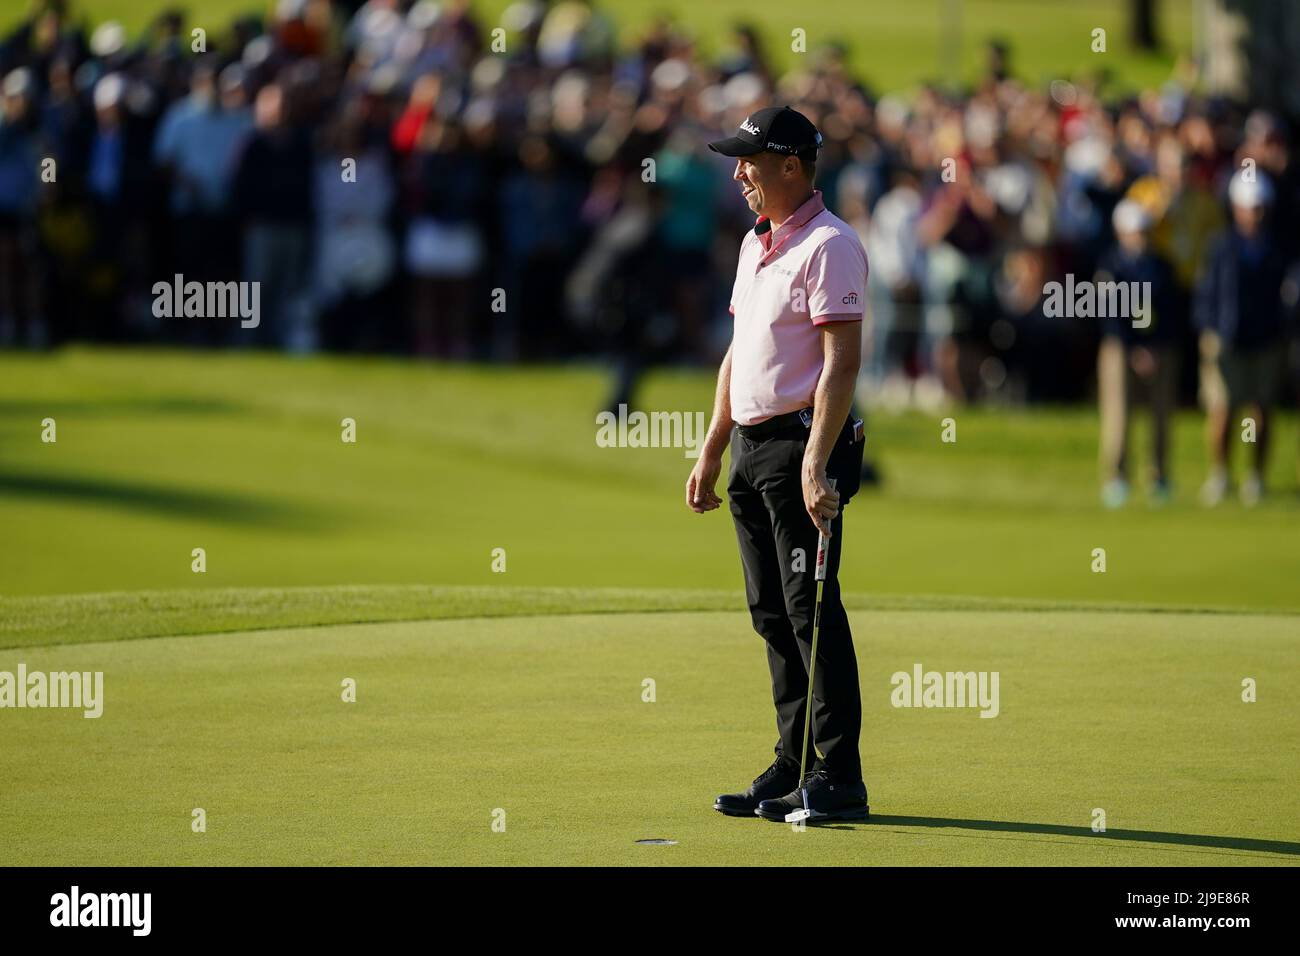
x=819 y=573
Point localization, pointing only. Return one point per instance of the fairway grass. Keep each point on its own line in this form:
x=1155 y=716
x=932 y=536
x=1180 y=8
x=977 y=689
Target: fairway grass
x=161 y=452
x=543 y=717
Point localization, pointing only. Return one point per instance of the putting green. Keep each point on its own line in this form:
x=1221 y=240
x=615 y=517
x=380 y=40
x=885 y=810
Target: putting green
x=543 y=718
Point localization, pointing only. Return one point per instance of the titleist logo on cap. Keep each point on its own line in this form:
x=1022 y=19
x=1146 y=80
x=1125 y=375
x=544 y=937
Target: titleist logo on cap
x=749 y=127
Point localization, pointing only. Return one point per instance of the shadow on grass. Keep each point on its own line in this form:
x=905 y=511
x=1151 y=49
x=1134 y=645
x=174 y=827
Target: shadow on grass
x=175 y=502
x=1052 y=829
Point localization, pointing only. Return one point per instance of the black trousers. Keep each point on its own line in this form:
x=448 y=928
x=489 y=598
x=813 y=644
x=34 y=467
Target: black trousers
x=778 y=548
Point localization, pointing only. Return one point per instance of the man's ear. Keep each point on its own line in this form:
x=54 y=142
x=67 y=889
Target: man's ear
x=790 y=167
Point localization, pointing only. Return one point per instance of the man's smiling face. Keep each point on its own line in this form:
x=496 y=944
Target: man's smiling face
x=760 y=179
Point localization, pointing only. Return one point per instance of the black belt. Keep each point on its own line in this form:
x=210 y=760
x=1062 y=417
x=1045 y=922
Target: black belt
x=801 y=420
x=778 y=423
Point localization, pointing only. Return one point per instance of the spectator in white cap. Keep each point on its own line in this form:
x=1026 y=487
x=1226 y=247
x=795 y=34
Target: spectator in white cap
x=1240 y=300
x=1138 y=355
x=120 y=183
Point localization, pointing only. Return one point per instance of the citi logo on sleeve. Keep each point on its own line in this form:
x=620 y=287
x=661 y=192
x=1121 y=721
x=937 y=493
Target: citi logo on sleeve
x=850 y=299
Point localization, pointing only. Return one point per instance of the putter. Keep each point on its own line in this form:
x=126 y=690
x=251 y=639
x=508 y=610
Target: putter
x=819 y=574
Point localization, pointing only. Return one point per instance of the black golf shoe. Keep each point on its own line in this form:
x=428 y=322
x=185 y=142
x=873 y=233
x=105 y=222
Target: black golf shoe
x=828 y=799
x=772 y=782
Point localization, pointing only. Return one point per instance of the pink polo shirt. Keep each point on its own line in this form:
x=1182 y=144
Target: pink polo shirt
x=806 y=272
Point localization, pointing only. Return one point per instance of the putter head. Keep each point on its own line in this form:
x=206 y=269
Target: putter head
x=803 y=813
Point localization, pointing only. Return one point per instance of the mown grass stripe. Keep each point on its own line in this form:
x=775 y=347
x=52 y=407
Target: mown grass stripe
x=134 y=615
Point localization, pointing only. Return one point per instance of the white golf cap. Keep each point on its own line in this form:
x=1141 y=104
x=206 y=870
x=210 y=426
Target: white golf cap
x=1252 y=192
x=109 y=91
x=108 y=39
x=18 y=82
x=423 y=14
x=232 y=78
x=1131 y=216
x=289 y=9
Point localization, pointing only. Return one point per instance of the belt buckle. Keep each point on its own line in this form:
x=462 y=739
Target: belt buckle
x=806 y=416
x=859 y=431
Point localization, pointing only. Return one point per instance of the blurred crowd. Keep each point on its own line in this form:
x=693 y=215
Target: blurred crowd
x=405 y=177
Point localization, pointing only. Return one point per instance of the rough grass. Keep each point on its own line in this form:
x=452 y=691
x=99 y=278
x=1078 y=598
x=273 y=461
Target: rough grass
x=95 y=618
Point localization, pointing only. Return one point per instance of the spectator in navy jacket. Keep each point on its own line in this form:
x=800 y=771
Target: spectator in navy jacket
x=273 y=198
x=1240 y=300
x=19 y=172
x=1138 y=354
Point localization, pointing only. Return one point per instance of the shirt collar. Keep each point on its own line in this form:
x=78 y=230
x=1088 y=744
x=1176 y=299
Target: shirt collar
x=811 y=207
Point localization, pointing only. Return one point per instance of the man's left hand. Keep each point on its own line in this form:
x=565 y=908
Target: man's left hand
x=821 y=501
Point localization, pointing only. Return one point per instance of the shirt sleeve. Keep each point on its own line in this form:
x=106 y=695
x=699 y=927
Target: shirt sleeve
x=837 y=281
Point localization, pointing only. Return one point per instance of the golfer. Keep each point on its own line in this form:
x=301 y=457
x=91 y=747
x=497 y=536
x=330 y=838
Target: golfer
x=783 y=403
